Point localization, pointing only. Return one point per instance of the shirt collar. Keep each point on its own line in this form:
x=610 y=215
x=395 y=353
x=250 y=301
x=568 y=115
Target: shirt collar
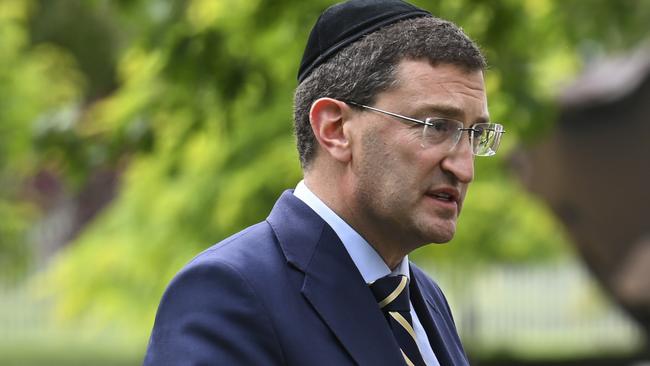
x=368 y=261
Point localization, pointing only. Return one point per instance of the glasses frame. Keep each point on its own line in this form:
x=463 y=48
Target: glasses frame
x=429 y=122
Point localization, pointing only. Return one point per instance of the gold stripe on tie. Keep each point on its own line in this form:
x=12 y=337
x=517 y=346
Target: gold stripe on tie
x=408 y=360
x=393 y=295
x=404 y=323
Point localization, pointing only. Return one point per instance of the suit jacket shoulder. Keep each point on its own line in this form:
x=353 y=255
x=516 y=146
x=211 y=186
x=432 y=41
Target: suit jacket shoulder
x=213 y=303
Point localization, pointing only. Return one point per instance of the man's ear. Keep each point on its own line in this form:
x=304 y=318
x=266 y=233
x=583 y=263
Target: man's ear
x=327 y=117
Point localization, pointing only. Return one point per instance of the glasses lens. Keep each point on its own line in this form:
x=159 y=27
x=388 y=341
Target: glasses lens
x=486 y=138
x=440 y=131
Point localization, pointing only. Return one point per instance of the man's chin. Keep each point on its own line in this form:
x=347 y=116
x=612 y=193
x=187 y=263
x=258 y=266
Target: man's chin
x=440 y=241
x=441 y=234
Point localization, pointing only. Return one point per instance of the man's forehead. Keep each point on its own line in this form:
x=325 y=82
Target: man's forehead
x=444 y=89
x=417 y=76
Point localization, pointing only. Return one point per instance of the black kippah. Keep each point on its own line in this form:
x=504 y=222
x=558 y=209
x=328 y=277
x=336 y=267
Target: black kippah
x=346 y=22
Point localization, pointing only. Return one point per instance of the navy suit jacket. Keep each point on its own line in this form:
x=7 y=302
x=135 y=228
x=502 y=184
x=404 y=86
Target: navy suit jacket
x=286 y=292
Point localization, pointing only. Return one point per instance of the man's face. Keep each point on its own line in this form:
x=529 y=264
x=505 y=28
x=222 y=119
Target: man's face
x=404 y=192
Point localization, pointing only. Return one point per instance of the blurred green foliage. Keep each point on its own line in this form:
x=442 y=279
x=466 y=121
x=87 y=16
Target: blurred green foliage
x=190 y=101
x=25 y=70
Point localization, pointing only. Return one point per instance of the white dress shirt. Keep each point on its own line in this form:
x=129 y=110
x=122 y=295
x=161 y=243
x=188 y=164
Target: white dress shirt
x=368 y=261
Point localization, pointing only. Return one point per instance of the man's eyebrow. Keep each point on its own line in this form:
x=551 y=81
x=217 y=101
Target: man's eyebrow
x=448 y=111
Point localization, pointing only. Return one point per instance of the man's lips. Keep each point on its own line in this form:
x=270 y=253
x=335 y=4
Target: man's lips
x=445 y=194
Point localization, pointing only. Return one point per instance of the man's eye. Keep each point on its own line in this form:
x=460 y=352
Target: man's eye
x=442 y=125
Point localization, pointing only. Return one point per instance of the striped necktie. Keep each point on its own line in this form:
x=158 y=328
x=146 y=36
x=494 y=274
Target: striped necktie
x=392 y=296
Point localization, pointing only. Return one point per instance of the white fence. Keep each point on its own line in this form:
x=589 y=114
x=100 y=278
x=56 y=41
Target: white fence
x=542 y=310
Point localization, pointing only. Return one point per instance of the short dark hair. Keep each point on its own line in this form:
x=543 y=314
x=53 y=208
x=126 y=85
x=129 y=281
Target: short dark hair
x=368 y=67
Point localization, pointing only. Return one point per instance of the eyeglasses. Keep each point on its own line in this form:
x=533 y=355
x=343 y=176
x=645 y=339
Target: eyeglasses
x=484 y=138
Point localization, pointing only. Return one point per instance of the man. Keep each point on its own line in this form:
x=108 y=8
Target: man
x=390 y=111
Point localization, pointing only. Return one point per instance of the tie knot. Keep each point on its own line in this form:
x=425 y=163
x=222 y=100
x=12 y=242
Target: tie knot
x=392 y=293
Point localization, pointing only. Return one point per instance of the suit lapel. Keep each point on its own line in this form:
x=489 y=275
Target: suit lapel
x=337 y=291
x=432 y=322
x=332 y=283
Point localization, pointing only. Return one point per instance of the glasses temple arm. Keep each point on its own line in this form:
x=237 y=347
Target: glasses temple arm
x=388 y=113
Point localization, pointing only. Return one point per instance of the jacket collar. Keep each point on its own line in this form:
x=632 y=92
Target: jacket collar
x=332 y=283
x=447 y=352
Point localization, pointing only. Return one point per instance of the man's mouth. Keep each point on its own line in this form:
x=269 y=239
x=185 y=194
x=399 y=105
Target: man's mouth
x=446 y=194
x=443 y=196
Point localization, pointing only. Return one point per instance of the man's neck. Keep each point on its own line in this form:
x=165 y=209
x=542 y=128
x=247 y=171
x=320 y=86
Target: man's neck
x=335 y=196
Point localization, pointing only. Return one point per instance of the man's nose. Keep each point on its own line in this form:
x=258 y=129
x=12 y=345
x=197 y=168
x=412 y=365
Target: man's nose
x=460 y=161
